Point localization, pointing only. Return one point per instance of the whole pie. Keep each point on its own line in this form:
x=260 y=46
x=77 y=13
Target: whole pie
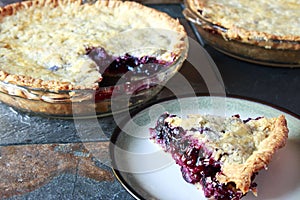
x=46 y=43
x=222 y=155
x=268 y=23
x=68 y=45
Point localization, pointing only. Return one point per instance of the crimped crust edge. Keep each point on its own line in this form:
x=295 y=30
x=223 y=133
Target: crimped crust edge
x=263 y=39
x=56 y=86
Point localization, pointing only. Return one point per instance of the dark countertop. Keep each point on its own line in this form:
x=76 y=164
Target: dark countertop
x=31 y=135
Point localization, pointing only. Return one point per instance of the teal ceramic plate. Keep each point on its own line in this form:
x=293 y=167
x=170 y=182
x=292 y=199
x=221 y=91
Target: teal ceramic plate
x=149 y=173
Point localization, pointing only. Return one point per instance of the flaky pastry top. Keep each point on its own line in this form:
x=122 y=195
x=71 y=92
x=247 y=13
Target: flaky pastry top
x=43 y=43
x=253 y=21
x=242 y=148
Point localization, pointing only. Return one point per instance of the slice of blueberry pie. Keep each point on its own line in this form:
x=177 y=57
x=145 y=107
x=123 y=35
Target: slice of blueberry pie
x=222 y=155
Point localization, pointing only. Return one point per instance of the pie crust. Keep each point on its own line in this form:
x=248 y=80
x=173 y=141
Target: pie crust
x=273 y=24
x=40 y=36
x=46 y=64
x=240 y=148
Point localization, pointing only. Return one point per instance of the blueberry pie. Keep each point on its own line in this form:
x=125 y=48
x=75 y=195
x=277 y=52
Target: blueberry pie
x=248 y=21
x=66 y=45
x=222 y=155
x=263 y=31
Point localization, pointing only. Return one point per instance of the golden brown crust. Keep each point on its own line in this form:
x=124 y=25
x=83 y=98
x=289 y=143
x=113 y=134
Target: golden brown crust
x=231 y=30
x=62 y=98
x=52 y=85
x=56 y=85
x=27 y=81
x=70 y=104
x=242 y=148
x=241 y=174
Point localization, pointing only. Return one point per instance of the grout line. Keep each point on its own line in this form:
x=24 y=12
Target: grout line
x=76 y=177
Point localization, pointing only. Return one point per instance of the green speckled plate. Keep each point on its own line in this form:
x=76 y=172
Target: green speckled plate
x=149 y=173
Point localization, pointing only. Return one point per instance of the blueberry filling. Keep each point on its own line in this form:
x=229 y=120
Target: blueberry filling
x=247 y=120
x=196 y=161
x=124 y=67
x=144 y=66
x=54 y=68
x=200 y=11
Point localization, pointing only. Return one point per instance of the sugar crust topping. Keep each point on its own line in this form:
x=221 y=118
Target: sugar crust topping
x=43 y=43
x=253 y=20
x=243 y=148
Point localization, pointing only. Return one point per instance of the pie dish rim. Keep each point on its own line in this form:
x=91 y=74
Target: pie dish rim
x=54 y=85
x=291 y=42
x=250 y=51
x=61 y=94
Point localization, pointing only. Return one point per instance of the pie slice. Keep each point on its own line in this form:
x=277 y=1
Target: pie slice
x=221 y=155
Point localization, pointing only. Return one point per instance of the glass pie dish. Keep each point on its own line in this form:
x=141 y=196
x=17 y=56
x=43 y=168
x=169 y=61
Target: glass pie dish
x=270 y=52
x=97 y=62
x=111 y=96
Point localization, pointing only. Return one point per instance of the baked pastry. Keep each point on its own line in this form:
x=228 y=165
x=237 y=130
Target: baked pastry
x=45 y=44
x=262 y=32
x=262 y=22
x=221 y=155
x=68 y=45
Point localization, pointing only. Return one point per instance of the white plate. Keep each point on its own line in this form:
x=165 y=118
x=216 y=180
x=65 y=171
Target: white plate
x=149 y=173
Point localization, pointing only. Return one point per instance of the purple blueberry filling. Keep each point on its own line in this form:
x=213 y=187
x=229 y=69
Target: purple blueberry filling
x=123 y=69
x=247 y=120
x=196 y=161
x=127 y=66
x=54 y=68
